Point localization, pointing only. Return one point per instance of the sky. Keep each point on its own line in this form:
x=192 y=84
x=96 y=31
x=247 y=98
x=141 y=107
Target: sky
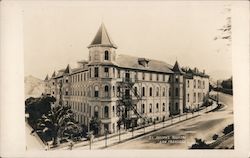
x=57 y=34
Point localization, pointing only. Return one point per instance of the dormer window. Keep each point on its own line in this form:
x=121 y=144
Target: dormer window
x=106 y=55
x=143 y=62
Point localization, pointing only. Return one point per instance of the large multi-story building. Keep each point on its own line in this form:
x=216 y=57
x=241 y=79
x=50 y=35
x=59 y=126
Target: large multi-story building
x=113 y=87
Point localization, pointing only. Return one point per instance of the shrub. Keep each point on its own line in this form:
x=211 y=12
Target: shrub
x=200 y=144
x=228 y=129
x=215 y=136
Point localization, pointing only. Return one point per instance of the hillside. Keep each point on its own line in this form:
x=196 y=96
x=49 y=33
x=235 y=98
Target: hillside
x=34 y=87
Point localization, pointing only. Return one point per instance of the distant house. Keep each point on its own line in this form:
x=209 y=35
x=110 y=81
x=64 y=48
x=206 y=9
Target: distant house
x=112 y=87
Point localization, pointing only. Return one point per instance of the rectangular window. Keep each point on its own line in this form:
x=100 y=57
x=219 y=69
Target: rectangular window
x=143 y=76
x=187 y=97
x=114 y=72
x=106 y=72
x=118 y=73
x=188 y=83
x=164 y=78
x=136 y=75
x=90 y=74
x=194 y=83
x=150 y=76
x=194 y=97
x=176 y=92
x=176 y=79
x=96 y=93
x=157 y=77
x=96 y=72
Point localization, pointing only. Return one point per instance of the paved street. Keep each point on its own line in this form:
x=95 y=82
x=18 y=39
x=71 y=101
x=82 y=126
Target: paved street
x=113 y=142
x=204 y=126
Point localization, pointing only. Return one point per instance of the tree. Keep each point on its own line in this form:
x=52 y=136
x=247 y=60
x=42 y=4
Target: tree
x=58 y=123
x=95 y=125
x=36 y=107
x=119 y=122
x=228 y=129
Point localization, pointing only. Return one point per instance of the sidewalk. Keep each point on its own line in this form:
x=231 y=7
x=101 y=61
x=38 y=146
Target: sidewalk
x=113 y=139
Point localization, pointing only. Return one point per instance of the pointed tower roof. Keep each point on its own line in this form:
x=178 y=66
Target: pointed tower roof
x=46 y=78
x=54 y=74
x=176 y=67
x=67 y=70
x=102 y=38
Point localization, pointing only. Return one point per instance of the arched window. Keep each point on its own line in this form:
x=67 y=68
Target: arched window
x=96 y=91
x=150 y=92
x=157 y=107
x=150 y=108
x=163 y=92
x=135 y=91
x=106 y=55
x=113 y=111
x=106 y=111
x=143 y=108
x=113 y=90
x=96 y=112
x=143 y=91
x=157 y=91
x=106 y=91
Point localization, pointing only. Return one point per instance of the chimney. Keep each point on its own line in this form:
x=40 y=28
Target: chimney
x=195 y=70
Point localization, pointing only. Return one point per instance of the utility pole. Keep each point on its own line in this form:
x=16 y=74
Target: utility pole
x=106 y=137
x=217 y=92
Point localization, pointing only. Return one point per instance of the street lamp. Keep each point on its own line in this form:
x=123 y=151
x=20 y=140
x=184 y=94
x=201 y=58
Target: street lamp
x=154 y=123
x=144 y=124
x=90 y=136
x=163 y=119
x=132 y=130
x=119 y=128
x=179 y=114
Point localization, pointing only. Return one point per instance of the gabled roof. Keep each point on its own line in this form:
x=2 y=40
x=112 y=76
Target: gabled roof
x=177 y=68
x=47 y=77
x=126 y=61
x=102 y=38
x=67 y=70
x=54 y=74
